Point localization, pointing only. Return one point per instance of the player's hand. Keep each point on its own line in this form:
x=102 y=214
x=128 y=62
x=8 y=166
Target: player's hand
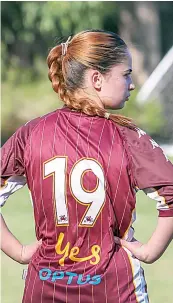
x=138 y=249
x=28 y=251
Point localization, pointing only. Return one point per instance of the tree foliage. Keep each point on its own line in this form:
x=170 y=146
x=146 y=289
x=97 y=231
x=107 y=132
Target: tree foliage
x=30 y=28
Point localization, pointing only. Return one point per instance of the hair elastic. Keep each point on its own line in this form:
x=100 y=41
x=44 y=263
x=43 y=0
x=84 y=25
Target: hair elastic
x=107 y=115
x=65 y=46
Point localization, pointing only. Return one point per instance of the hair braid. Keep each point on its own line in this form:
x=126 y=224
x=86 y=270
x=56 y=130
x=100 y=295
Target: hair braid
x=91 y=109
x=55 y=73
x=67 y=66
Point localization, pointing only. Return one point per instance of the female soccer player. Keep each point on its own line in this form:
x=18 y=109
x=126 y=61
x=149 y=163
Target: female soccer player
x=83 y=167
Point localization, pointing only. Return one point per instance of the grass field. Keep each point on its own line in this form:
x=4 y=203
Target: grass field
x=19 y=217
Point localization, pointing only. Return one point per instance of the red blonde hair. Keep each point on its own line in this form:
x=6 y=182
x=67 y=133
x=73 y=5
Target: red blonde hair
x=95 y=49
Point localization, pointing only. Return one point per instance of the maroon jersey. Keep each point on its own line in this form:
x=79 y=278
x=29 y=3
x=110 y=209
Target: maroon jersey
x=83 y=173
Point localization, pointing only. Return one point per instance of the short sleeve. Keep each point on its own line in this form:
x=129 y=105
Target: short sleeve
x=12 y=151
x=12 y=161
x=151 y=169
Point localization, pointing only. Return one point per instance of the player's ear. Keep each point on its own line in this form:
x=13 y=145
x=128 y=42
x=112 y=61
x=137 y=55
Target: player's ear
x=96 y=78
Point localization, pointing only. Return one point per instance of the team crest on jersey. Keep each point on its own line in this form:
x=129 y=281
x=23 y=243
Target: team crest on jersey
x=89 y=219
x=63 y=219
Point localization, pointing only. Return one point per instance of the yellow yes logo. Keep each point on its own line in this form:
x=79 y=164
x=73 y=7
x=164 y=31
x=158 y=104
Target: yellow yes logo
x=74 y=251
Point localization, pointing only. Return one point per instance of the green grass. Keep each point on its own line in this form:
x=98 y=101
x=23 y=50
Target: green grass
x=18 y=214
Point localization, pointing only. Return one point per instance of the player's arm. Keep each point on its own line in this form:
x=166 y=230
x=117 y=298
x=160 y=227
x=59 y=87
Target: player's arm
x=13 y=178
x=9 y=244
x=157 y=244
x=13 y=248
x=151 y=172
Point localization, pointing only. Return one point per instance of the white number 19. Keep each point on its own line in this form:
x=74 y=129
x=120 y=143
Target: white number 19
x=94 y=200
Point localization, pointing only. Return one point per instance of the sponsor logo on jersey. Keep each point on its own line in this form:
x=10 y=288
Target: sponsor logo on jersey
x=70 y=277
x=73 y=252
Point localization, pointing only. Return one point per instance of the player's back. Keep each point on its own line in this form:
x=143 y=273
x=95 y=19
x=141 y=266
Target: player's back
x=78 y=174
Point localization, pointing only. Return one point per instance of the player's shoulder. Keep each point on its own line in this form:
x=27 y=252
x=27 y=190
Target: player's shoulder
x=135 y=136
x=139 y=142
x=26 y=129
x=34 y=122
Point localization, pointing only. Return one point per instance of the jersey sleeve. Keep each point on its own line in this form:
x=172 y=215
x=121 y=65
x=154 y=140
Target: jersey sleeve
x=151 y=169
x=12 y=161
